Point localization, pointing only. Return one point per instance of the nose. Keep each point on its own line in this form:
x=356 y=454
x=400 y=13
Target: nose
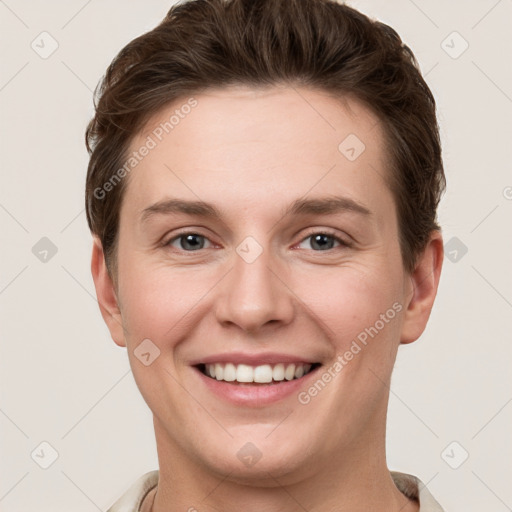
x=254 y=295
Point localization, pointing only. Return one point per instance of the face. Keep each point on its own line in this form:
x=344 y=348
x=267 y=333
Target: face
x=258 y=241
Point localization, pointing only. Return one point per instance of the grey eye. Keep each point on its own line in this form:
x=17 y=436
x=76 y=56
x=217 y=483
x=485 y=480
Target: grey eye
x=189 y=242
x=322 y=242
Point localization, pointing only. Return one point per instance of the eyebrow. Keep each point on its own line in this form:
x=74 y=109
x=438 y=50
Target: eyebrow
x=318 y=206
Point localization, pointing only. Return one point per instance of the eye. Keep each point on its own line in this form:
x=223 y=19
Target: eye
x=323 y=241
x=188 y=242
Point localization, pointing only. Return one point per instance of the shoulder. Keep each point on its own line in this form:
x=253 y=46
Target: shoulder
x=131 y=500
x=412 y=487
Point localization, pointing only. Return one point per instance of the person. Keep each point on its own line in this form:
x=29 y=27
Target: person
x=262 y=191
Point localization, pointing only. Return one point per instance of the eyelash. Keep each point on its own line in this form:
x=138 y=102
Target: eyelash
x=342 y=243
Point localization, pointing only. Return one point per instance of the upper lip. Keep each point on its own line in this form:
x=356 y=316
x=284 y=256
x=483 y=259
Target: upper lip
x=253 y=359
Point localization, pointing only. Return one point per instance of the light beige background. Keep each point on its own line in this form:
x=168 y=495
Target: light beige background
x=64 y=382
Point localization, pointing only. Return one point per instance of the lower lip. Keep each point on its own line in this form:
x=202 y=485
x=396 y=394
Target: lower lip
x=254 y=395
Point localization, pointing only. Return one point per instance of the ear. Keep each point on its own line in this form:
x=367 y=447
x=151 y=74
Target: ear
x=422 y=289
x=105 y=292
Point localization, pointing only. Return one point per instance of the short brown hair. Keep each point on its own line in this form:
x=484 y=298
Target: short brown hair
x=322 y=44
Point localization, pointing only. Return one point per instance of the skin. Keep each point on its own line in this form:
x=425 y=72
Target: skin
x=251 y=153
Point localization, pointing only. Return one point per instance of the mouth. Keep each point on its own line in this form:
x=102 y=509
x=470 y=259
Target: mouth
x=261 y=375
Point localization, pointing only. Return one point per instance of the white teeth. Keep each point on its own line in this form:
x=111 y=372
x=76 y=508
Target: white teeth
x=229 y=372
x=289 y=373
x=278 y=372
x=262 y=374
x=244 y=373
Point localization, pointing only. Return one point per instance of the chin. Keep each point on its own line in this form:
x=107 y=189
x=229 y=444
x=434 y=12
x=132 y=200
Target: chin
x=258 y=460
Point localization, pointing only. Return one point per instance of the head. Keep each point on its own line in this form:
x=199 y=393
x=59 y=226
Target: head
x=262 y=189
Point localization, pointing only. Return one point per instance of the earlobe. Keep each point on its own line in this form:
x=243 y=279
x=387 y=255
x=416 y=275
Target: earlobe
x=106 y=295
x=423 y=290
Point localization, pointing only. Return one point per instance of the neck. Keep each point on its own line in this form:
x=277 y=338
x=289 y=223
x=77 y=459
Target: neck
x=356 y=480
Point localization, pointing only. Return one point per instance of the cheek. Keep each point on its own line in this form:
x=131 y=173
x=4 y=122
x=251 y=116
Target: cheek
x=160 y=303
x=350 y=299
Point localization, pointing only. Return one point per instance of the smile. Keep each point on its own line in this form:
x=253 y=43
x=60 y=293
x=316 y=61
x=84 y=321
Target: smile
x=262 y=374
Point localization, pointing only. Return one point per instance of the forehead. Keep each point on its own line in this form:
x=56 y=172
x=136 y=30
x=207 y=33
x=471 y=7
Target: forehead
x=241 y=143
